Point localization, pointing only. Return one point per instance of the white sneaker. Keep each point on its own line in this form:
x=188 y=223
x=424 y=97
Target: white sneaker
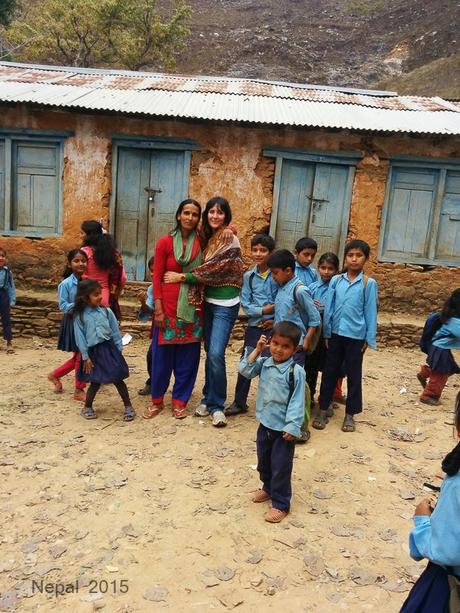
x=218 y=419
x=201 y=411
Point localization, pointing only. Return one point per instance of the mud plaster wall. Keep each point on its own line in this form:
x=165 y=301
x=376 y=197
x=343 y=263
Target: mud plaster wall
x=229 y=163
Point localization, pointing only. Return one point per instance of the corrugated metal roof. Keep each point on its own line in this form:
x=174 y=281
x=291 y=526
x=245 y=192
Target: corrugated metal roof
x=226 y=99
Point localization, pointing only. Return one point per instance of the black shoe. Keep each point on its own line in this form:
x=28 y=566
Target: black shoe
x=234 y=409
x=145 y=391
x=303 y=438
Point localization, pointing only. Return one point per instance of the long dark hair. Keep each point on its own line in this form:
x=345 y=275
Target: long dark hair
x=451 y=463
x=70 y=256
x=103 y=244
x=224 y=206
x=85 y=288
x=451 y=306
x=180 y=208
x=331 y=258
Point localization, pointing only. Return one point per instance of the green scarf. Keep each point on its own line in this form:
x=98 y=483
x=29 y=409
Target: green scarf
x=185 y=310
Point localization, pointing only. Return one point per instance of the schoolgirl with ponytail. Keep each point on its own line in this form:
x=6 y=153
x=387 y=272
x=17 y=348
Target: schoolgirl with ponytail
x=436 y=537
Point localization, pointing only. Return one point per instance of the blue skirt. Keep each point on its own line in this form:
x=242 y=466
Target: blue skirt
x=66 y=339
x=431 y=592
x=109 y=365
x=442 y=361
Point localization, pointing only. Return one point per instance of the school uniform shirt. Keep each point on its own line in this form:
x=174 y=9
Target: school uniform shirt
x=318 y=291
x=258 y=290
x=437 y=536
x=7 y=283
x=351 y=309
x=67 y=291
x=272 y=408
x=307 y=274
x=99 y=324
x=288 y=309
x=448 y=335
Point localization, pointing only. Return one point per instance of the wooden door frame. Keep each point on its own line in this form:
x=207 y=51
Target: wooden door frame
x=153 y=143
x=344 y=158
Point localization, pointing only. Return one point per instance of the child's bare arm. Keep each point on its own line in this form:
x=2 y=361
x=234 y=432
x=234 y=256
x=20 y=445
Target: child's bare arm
x=261 y=343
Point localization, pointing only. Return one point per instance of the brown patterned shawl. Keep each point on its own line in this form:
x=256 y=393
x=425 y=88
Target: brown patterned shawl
x=222 y=266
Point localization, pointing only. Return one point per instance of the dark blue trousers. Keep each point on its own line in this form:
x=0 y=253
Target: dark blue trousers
x=274 y=462
x=349 y=353
x=183 y=360
x=251 y=336
x=5 y=314
x=149 y=364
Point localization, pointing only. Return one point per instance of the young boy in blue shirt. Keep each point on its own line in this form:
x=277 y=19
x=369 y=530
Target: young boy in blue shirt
x=349 y=327
x=7 y=300
x=280 y=408
x=305 y=252
x=257 y=300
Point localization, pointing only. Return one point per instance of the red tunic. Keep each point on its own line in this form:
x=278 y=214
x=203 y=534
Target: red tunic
x=175 y=331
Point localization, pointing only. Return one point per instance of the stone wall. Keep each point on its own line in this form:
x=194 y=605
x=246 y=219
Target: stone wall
x=37 y=316
x=229 y=162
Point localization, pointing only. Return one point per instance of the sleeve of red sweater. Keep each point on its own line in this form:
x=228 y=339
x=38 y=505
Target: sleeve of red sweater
x=159 y=267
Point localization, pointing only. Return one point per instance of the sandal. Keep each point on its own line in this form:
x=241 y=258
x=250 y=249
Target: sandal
x=129 y=414
x=153 y=411
x=10 y=350
x=261 y=496
x=348 y=424
x=56 y=382
x=88 y=413
x=320 y=421
x=274 y=516
x=178 y=411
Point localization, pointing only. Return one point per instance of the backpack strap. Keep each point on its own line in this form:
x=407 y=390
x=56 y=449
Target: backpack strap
x=251 y=283
x=291 y=382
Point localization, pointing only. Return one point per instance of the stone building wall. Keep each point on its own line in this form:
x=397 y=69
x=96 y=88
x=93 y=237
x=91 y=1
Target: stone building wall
x=229 y=163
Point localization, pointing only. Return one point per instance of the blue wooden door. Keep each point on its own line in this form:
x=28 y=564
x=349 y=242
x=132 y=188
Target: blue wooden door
x=35 y=201
x=296 y=183
x=150 y=185
x=448 y=244
x=409 y=213
x=313 y=201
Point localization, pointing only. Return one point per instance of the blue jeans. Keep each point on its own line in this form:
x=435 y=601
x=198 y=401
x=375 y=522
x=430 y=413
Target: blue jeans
x=218 y=324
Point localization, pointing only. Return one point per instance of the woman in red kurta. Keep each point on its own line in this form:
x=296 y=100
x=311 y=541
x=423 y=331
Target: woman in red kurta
x=178 y=326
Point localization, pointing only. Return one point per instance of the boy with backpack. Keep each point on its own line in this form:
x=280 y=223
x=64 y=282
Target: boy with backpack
x=280 y=410
x=293 y=303
x=257 y=301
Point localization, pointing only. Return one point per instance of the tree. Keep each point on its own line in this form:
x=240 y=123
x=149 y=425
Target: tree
x=7 y=8
x=126 y=33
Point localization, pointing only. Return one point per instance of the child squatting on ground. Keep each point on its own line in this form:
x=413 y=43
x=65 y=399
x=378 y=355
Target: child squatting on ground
x=258 y=302
x=443 y=331
x=98 y=338
x=7 y=300
x=349 y=326
x=280 y=409
x=67 y=291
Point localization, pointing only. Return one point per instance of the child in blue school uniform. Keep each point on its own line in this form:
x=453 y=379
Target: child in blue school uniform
x=67 y=290
x=305 y=252
x=280 y=409
x=98 y=338
x=293 y=302
x=146 y=311
x=349 y=327
x=328 y=267
x=257 y=300
x=436 y=537
x=7 y=300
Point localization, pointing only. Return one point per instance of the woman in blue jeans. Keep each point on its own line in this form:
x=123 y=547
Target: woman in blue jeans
x=221 y=274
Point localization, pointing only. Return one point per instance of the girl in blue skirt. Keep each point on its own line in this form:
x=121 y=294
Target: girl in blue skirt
x=436 y=537
x=98 y=338
x=67 y=290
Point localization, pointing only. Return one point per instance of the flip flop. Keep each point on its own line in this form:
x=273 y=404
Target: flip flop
x=274 y=516
x=178 y=411
x=153 y=411
x=320 y=421
x=88 y=413
x=56 y=382
x=10 y=350
x=348 y=424
x=129 y=414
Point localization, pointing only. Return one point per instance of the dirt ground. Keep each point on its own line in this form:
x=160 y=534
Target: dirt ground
x=155 y=515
